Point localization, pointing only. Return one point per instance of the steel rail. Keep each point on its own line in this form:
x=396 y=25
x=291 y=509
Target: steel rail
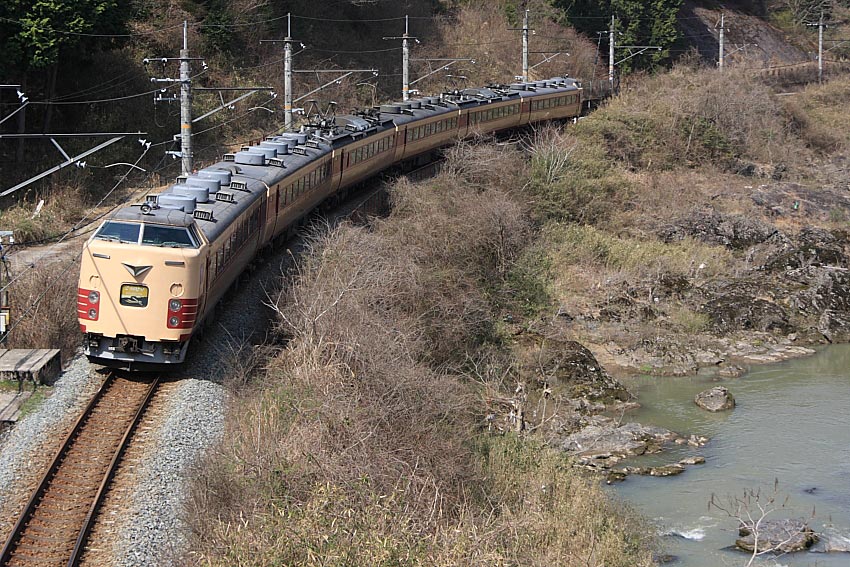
x=37 y=498
x=88 y=523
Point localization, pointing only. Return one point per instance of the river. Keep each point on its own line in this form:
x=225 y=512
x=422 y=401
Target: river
x=791 y=424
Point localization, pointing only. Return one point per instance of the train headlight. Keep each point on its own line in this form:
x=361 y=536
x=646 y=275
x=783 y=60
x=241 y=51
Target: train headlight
x=173 y=321
x=92 y=314
x=94 y=297
x=175 y=305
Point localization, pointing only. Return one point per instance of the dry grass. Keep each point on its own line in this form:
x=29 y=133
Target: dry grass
x=694 y=116
x=632 y=259
x=64 y=204
x=52 y=322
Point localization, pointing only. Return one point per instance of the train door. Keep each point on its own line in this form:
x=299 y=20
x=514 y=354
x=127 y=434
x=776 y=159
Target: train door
x=463 y=123
x=398 y=144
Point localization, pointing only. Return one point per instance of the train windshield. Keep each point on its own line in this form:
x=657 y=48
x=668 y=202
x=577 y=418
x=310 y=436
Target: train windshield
x=120 y=231
x=176 y=237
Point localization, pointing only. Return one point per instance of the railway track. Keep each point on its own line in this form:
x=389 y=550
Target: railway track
x=55 y=524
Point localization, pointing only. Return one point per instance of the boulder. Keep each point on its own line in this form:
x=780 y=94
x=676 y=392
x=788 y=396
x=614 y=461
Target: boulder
x=667 y=470
x=608 y=441
x=569 y=366
x=779 y=536
x=736 y=232
x=695 y=460
x=732 y=311
x=831 y=541
x=731 y=371
x=715 y=399
x=811 y=247
x=828 y=297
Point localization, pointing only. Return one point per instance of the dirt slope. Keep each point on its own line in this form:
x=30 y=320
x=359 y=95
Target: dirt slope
x=749 y=38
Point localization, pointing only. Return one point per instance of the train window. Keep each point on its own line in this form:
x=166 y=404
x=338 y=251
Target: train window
x=170 y=236
x=120 y=231
x=134 y=295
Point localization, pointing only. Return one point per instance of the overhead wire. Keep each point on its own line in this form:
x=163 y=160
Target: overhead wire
x=77 y=225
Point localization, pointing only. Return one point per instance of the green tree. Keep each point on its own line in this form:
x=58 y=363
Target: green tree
x=33 y=33
x=639 y=22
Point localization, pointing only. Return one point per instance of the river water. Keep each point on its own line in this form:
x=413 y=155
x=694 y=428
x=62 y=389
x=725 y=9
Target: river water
x=791 y=424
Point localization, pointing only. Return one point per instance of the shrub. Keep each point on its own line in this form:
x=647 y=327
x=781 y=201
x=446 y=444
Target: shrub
x=44 y=309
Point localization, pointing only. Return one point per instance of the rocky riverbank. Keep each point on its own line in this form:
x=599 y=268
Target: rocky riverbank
x=786 y=292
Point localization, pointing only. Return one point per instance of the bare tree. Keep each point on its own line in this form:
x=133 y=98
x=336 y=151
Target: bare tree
x=807 y=11
x=751 y=509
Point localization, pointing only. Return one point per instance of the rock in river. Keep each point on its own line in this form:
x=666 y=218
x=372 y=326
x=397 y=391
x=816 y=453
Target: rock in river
x=779 y=536
x=606 y=442
x=715 y=399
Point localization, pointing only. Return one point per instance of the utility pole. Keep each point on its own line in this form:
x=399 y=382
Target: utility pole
x=405 y=61
x=405 y=57
x=612 y=63
x=722 y=41
x=820 y=48
x=525 y=47
x=185 y=80
x=611 y=55
x=821 y=25
x=287 y=71
x=287 y=75
x=185 y=105
x=525 y=34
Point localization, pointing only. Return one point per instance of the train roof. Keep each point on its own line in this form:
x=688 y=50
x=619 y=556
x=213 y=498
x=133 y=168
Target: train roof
x=221 y=192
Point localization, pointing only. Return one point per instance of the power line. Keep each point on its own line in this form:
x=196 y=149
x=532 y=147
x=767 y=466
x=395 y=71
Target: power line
x=64 y=236
x=103 y=35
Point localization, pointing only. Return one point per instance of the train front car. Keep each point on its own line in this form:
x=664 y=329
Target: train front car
x=140 y=288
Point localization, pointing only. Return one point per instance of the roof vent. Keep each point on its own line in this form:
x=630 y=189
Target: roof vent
x=210 y=185
x=182 y=178
x=250 y=158
x=268 y=152
x=200 y=194
x=276 y=162
x=229 y=157
x=178 y=202
x=239 y=186
x=299 y=138
x=223 y=177
x=281 y=148
x=415 y=104
x=390 y=109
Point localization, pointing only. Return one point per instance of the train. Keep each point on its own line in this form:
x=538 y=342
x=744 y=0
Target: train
x=152 y=272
